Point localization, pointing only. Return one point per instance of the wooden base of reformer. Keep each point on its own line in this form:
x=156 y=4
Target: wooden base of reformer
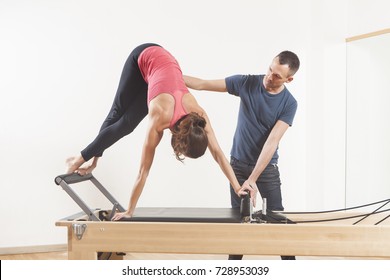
x=311 y=239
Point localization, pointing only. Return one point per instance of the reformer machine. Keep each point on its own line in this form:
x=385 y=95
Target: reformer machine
x=92 y=234
x=179 y=214
x=150 y=214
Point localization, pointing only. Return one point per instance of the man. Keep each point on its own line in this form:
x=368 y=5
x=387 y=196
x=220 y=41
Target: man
x=267 y=110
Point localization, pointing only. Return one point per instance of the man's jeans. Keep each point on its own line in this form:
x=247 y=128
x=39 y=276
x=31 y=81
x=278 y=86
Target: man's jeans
x=269 y=187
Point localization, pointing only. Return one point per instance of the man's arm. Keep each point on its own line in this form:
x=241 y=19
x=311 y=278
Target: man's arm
x=200 y=84
x=268 y=151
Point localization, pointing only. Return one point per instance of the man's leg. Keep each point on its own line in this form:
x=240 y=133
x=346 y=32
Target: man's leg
x=242 y=172
x=236 y=203
x=269 y=187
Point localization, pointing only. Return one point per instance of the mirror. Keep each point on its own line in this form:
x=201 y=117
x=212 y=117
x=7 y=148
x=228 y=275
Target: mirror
x=368 y=119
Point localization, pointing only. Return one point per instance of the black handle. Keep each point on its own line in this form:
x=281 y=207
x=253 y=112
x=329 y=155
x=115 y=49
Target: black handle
x=72 y=178
x=245 y=207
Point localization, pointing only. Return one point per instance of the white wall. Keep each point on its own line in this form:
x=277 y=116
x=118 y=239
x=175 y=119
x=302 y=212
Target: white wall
x=368 y=70
x=60 y=65
x=368 y=133
x=365 y=16
x=325 y=105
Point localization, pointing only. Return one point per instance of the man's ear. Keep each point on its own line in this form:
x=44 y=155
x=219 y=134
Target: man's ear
x=289 y=79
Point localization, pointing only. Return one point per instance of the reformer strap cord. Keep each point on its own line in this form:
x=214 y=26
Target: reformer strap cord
x=343 y=218
x=338 y=210
x=372 y=213
x=377 y=223
x=364 y=216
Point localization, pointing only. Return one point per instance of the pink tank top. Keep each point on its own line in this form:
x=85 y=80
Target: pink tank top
x=162 y=73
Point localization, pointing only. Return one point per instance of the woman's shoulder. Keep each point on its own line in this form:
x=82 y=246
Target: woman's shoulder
x=191 y=104
x=161 y=111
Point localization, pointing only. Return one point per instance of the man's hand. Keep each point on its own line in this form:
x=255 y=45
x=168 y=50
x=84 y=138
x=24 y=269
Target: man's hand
x=251 y=187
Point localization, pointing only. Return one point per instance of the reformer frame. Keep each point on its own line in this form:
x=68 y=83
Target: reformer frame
x=88 y=235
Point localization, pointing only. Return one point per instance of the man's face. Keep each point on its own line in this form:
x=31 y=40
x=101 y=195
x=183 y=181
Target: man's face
x=277 y=75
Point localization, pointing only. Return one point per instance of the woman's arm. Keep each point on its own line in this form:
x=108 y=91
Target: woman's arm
x=192 y=105
x=153 y=138
x=224 y=164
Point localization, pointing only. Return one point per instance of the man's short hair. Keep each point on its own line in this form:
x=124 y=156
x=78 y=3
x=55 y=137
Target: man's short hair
x=291 y=59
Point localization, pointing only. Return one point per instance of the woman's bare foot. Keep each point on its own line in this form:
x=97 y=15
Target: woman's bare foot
x=85 y=170
x=74 y=163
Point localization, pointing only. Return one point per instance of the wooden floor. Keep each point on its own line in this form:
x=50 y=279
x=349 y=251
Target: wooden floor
x=37 y=256
x=139 y=256
x=62 y=255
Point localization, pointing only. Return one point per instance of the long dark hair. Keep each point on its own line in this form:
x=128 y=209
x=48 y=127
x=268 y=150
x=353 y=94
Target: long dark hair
x=189 y=138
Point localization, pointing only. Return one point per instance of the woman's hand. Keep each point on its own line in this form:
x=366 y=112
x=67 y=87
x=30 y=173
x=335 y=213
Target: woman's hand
x=120 y=215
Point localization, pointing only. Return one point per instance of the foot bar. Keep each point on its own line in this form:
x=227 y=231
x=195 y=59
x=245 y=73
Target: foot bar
x=65 y=180
x=72 y=178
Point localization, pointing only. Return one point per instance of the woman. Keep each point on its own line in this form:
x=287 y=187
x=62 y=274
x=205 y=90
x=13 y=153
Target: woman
x=152 y=84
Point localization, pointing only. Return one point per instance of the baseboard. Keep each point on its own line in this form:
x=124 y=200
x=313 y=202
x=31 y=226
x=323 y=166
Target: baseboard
x=33 y=249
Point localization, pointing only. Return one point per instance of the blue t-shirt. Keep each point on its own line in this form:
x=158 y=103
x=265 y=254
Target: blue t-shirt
x=259 y=111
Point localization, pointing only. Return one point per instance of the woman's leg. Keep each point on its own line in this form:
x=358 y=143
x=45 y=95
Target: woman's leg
x=110 y=134
x=128 y=109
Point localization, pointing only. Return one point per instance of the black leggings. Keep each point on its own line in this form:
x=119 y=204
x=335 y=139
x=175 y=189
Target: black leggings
x=128 y=109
